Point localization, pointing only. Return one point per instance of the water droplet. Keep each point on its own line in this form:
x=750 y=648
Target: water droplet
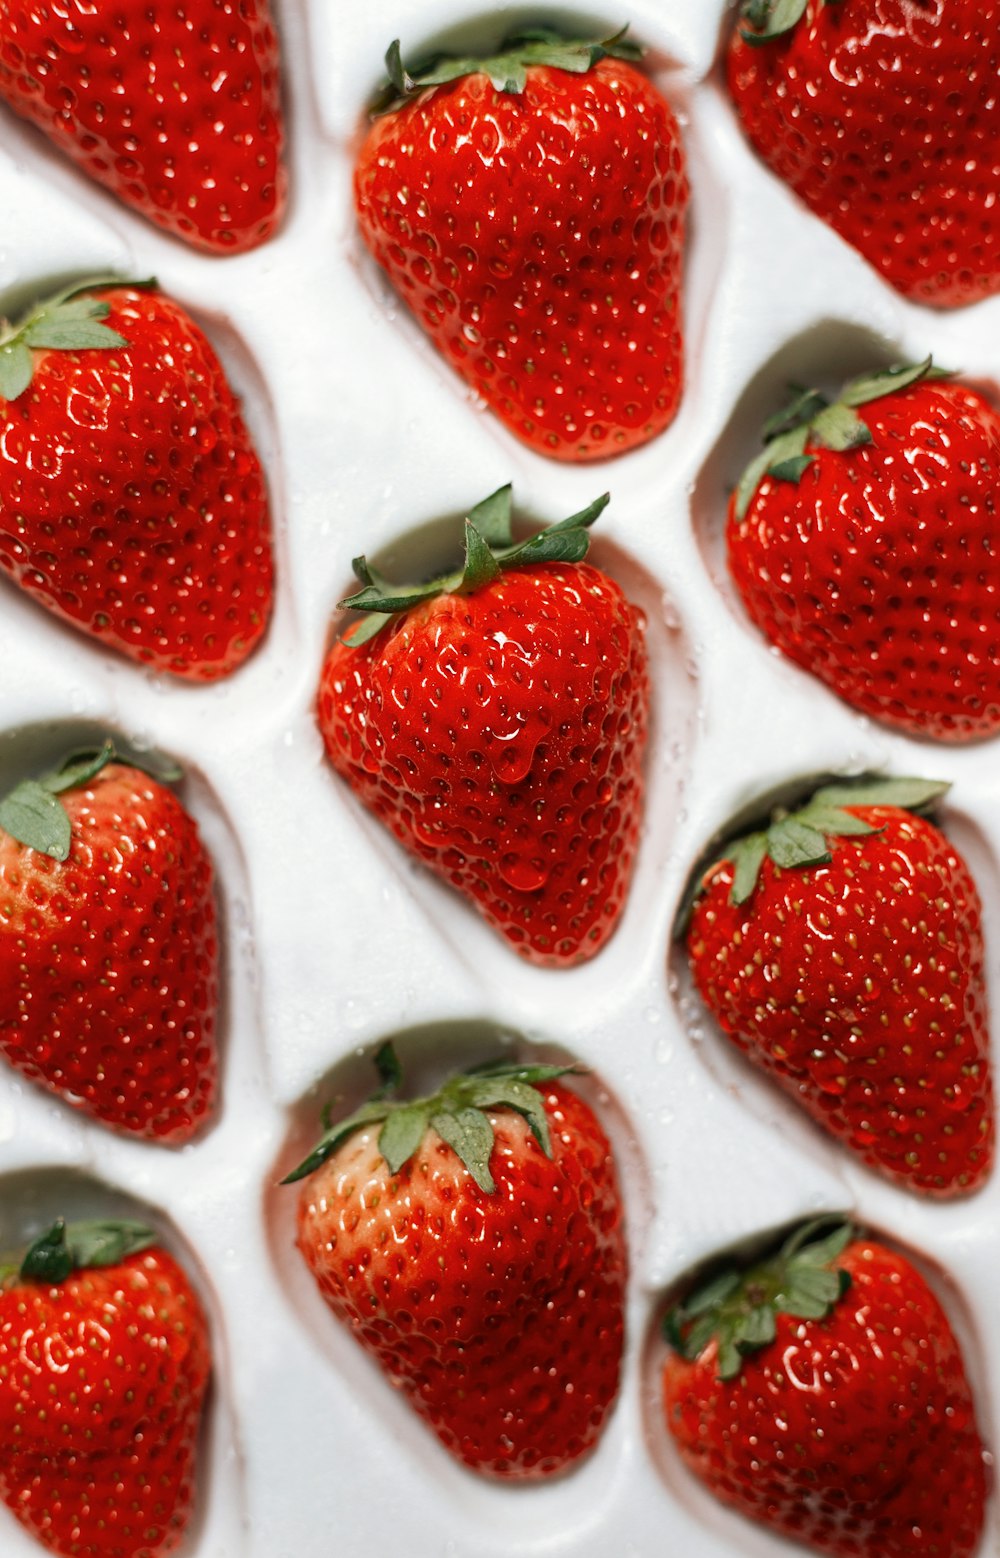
x=526 y=876
x=512 y=764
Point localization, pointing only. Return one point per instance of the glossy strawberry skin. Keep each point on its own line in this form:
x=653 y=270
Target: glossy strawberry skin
x=538 y=238
x=102 y=1383
x=500 y=1316
x=878 y=571
x=852 y=1435
x=882 y=115
x=109 y=960
x=132 y=502
x=859 y=988
x=499 y=736
x=195 y=146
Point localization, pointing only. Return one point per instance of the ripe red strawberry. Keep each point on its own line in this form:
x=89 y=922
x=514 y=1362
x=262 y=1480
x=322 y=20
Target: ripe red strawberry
x=104 y=1362
x=822 y=1393
x=497 y=728
x=132 y=502
x=109 y=948
x=179 y=115
x=530 y=209
x=883 y=116
x=864 y=549
x=841 y=950
x=474 y=1243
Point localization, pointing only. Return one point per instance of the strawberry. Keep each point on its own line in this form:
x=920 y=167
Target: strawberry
x=109 y=947
x=179 y=117
x=473 y=1242
x=841 y=950
x=883 y=116
x=530 y=207
x=864 y=548
x=496 y=726
x=132 y=502
x=104 y=1362
x=821 y=1392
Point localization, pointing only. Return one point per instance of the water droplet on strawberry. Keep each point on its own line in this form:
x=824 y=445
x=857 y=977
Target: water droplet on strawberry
x=512 y=764
x=526 y=876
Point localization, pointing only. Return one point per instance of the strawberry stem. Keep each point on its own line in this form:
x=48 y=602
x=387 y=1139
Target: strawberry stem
x=507 y=68
x=457 y=1112
x=68 y=1247
x=798 y=838
x=489 y=550
x=32 y=814
x=772 y=18
x=737 y=1308
x=68 y=321
x=811 y=419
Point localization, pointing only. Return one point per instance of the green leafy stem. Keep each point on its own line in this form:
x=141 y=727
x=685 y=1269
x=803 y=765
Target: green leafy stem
x=772 y=18
x=69 y=321
x=794 y=840
x=67 y=1247
x=738 y=1308
x=489 y=550
x=33 y=814
x=457 y=1112
x=812 y=419
x=507 y=68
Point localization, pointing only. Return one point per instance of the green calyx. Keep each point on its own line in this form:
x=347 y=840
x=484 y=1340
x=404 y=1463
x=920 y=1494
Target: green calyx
x=457 y=1112
x=489 y=550
x=810 y=418
x=68 y=1247
x=737 y=1309
x=507 y=69
x=772 y=18
x=70 y=321
x=796 y=839
x=33 y=814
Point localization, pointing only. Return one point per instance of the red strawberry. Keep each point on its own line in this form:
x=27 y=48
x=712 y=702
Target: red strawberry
x=104 y=1361
x=132 y=502
x=109 y=948
x=497 y=728
x=864 y=549
x=530 y=209
x=841 y=950
x=883 y=116
x=473 y=1241
x=178 y=114
x=822 y=1393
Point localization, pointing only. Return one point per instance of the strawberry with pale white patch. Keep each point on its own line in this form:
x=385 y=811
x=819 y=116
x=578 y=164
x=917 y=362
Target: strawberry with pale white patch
x=473 y=1242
